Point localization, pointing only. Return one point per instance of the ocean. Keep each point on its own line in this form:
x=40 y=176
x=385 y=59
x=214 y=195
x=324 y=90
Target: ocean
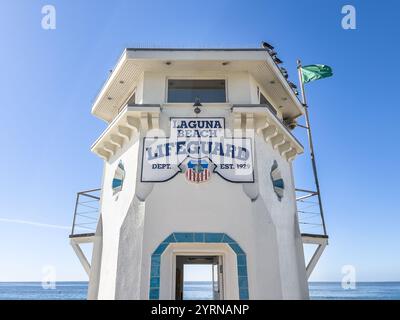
x=200 y=290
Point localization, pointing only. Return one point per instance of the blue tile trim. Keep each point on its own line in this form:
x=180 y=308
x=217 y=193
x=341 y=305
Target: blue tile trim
x=242 y=271
x=160 y=249
x=244 y=294
x=184 y=236
x=243 y=283
x=154 y=294
x=155 y=270
x=155 y=260
x=235 y=247
x=170 y=238
x=213 y=237
x=199 y=237
x=227 y=239
x=155 y=282
x=241 y=259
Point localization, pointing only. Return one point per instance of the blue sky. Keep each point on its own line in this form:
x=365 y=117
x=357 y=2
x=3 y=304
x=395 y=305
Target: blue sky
x=50 y=78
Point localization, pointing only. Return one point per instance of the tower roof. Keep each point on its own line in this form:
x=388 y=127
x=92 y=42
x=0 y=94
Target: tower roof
x=134 y=61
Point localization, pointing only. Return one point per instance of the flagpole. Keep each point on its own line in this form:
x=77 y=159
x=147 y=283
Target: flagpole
x=310 y=143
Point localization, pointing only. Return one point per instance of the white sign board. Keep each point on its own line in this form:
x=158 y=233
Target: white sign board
x=197 y=128
x=198 y=148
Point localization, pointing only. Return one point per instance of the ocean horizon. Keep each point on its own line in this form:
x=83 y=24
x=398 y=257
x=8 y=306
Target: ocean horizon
x=199 y=290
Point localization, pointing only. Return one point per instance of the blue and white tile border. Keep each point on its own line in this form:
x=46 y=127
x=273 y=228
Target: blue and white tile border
x=198 y=237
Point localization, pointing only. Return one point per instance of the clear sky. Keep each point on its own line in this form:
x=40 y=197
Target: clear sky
x=50 y=78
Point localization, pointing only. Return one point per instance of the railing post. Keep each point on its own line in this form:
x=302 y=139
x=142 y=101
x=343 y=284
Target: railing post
x=82 y=202
x=76 y=207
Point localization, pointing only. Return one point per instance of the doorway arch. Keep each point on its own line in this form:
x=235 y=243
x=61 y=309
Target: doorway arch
x=198 y=237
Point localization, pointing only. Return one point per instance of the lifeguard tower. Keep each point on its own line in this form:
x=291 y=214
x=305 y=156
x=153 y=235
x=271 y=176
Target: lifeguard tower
x=198 y=154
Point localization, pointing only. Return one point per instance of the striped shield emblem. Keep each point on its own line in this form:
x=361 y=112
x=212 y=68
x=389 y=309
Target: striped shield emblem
x=197 y=171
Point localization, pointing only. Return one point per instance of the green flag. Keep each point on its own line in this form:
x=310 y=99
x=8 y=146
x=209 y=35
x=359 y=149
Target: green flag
x=315 y=72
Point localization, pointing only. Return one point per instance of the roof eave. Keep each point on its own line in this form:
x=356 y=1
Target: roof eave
x=113 y=74
x=275 y=69
x=143 y=53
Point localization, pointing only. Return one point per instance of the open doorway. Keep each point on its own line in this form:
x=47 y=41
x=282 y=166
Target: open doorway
x=199 y=278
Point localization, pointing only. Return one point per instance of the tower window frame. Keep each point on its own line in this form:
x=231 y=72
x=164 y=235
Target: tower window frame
x=261 y=95
x=183 y=78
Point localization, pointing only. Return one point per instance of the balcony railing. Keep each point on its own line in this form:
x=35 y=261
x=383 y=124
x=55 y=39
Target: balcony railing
x=309 y=213
x=86 y=214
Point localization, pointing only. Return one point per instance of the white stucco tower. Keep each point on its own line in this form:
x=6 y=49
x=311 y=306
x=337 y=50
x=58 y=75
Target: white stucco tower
x=198 y=154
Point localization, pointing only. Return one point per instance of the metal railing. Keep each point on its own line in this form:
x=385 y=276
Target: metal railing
x=86 y=214
x=309 y=213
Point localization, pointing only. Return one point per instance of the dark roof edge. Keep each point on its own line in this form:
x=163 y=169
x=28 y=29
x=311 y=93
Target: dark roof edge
x=196 y=49
x=312 y=235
